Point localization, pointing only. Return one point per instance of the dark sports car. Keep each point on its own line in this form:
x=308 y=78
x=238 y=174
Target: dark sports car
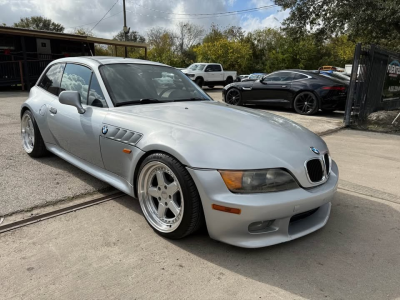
x=306 y=92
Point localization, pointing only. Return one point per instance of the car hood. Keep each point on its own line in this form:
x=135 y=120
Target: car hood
x=215 y=135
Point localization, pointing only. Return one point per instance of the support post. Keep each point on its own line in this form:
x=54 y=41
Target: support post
x=26 y=70
x=125 y=30
x=353 y=80
x=145 y=52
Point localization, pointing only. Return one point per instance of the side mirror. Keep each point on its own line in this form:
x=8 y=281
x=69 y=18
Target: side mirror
x=72 y=98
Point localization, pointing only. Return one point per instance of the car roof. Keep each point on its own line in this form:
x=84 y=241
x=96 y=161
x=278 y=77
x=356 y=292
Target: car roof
x=106 y=60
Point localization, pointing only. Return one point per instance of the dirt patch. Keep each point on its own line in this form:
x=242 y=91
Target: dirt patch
x=382 y=121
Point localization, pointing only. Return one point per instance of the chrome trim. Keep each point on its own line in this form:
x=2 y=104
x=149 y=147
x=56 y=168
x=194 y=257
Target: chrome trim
x=326 y=173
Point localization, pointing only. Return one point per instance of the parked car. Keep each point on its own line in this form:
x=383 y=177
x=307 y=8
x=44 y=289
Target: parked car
x=305 y=91
x=255 y=76
x=209 y=74
x=241 y=77
x=338 y=75
x=188 y=159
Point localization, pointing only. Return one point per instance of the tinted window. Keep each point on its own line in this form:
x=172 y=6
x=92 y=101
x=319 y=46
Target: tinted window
x=132 y=82
x=280 y=76
x=96 y=97
x=298 y=76
x=76 y=78
x=51 y=80
x=216 y=68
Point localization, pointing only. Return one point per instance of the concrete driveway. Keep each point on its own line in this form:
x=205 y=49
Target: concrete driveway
x=321 y=123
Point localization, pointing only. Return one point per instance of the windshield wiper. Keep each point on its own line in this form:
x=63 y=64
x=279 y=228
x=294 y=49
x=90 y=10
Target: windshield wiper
x=190 y=99
x=141 y=101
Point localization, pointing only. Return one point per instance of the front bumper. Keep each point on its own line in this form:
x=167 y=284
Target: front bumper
x=278 y=207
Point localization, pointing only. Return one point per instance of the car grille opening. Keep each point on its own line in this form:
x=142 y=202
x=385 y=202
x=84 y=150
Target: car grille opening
x=314 y=169
x=326 y=158
x=302 y=215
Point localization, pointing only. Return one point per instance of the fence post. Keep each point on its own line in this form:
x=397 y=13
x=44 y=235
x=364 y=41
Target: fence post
x=353 y=80
x=25 y=62
x=21 y=74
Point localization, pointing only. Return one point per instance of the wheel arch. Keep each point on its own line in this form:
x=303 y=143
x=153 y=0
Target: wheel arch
x=231 y=88
x=306 y=90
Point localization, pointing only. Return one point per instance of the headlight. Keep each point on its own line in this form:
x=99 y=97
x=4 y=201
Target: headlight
x=190 y=75
x=259 y=181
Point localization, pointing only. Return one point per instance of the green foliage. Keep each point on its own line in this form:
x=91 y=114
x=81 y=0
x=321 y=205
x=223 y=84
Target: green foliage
x=372 y=21
x=39 y=23
x=233 y=55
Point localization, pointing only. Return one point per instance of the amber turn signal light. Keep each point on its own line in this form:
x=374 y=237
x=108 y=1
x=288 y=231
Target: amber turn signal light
x=127 y=151
x=232 y=179
x=227 y=209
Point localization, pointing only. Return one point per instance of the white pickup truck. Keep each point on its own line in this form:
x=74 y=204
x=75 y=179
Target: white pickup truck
x=209 y=74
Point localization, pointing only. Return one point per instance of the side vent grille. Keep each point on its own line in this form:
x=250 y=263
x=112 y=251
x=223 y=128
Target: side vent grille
x=123 y=135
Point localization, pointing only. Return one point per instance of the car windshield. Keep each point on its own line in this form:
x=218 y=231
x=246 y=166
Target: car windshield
x=199 y=67
x=133 y=83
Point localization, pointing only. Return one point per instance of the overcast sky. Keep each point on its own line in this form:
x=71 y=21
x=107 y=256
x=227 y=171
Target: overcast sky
x=142 y=14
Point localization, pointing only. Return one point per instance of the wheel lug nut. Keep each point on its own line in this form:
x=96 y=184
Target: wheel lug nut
x=159 y=198
x=159 y=188
x=169 y=196
x=165 y=187
x=166 y=203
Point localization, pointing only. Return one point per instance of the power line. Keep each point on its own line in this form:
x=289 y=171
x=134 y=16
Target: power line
x=214 y=14
x=104 y=15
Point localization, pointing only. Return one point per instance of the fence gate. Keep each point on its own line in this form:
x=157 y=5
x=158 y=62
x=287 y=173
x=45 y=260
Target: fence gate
x=374 y=83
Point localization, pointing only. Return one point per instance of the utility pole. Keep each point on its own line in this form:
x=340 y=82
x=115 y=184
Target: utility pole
x=126 y=30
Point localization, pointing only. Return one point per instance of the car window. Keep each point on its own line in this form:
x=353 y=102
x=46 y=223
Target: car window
x=132 y=82
x=51 y=80
x=76 y=78
x=216 y=68
x=298 y=76
x=96 y=97
x=280 y=76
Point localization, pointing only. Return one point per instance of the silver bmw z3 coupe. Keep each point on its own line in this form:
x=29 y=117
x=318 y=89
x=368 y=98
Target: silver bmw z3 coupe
x=255 y=179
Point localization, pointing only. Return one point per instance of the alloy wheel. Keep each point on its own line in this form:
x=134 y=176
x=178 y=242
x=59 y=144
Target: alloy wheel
x=233 y=97
x=27 y=133
x=160 y=196
x=305 y=103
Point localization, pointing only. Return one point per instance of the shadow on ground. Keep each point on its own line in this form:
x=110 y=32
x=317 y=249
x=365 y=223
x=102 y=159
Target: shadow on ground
x=355 y=256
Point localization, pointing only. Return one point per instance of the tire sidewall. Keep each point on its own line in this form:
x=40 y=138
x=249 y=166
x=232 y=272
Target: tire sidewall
x=240 y=95
x=178 y=169
x=36 y=151
x=314 y=111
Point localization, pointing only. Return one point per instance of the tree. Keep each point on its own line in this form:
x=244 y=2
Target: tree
x=162 y=44
x=188 y=35
x=132 y=36
x=39 y=23
x=231 y=54
x=373 y=21
x=82 y=31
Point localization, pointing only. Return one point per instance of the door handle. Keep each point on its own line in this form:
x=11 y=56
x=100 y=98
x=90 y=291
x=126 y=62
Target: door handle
x=247 y=88
x=53 y=110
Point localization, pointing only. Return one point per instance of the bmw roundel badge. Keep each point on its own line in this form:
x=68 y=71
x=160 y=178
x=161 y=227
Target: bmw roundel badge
x=104 y=130
x=315 y=150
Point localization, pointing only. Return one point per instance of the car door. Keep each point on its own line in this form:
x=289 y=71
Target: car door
x=218 y=74
x=77 y=133
x=275 y=87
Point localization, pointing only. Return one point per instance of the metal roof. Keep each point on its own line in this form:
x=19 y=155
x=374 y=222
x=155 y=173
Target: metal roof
x=67 y=36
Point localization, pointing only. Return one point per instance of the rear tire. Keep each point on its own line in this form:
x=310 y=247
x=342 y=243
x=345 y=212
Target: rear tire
x=306 y=103
x=32 y=140
x=168 y=197
x=199 y=82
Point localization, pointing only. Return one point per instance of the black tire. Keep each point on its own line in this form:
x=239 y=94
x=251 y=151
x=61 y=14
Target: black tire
x=229 y=80
x=306 y=103
x=211 y=86
x=193 y=215
x=39 y=148
x=199 y=81
x=233 y=97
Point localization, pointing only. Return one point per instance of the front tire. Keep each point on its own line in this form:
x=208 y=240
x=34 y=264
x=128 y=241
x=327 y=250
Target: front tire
x=32 y=140
x=168 y=197
x=306 y=103
x=233 y=97
x=199 y=82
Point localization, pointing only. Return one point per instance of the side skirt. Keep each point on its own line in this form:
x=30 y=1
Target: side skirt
x=104 y=175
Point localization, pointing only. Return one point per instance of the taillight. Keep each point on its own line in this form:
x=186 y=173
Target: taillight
x=334 y=88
